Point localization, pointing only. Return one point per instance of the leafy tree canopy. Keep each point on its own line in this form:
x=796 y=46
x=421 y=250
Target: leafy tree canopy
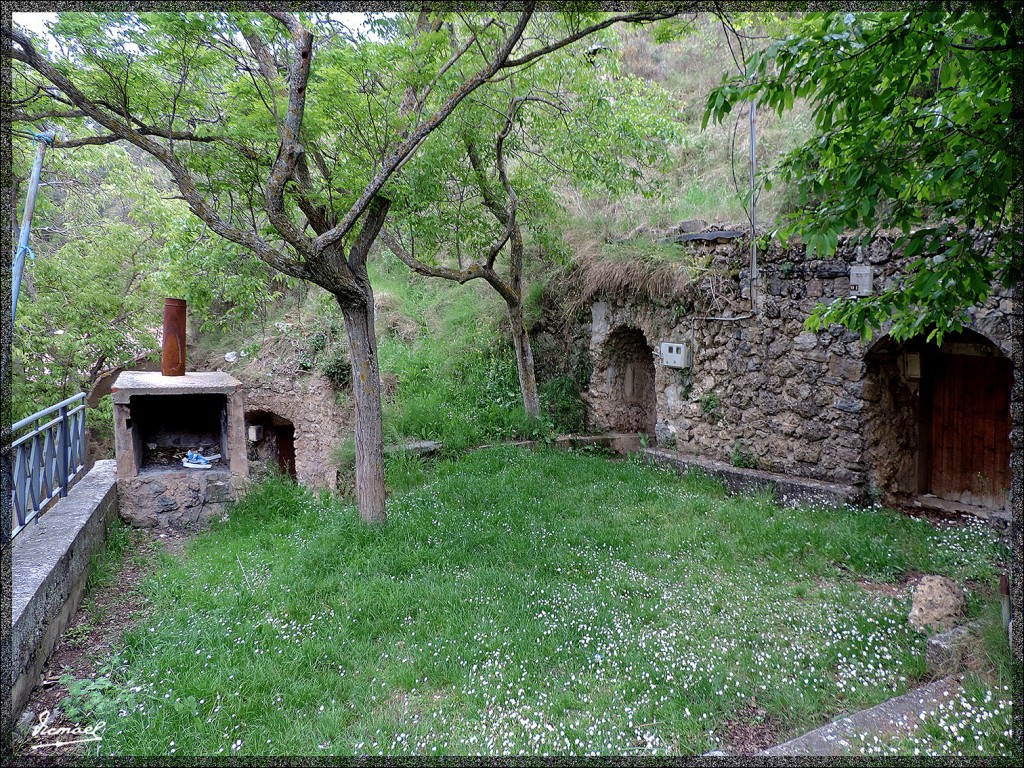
x=282 y=132
x=573 y=118
x=88 y=300
x=914 y=111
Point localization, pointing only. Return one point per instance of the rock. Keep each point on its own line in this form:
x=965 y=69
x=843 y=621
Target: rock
x=25 y=723
x=417 y=448
x=665 y=434
x=721 y=236
x=849 y=406
x=946 y=651
x=938 y=603
x=691 y=225
x=805 y=341
x=230 y=357
x=832 y=268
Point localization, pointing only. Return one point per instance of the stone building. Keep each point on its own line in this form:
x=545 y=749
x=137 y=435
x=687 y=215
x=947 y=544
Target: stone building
x=747 y=385
x=293 y=424
x=294 y=416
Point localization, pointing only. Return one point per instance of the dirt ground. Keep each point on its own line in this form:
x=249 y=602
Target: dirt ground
x=106 y=613
x=750 y=731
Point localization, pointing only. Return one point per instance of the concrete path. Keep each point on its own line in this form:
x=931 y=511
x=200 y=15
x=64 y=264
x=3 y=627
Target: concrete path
x=890 y=718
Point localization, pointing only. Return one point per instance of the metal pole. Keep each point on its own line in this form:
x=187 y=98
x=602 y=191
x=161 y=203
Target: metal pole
x=45 y=139
x=753 y=202
x=63 y=459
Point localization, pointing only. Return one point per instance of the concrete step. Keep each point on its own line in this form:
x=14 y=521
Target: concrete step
x=895 y=717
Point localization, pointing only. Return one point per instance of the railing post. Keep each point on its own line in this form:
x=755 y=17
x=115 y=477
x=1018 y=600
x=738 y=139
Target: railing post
x=80 y=438
x=45 y=459
x=64 y=455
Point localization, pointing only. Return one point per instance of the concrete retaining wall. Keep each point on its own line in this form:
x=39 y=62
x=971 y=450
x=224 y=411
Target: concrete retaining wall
x=49 y=565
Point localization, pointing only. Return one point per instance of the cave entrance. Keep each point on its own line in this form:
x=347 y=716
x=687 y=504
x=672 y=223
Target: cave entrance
x=272 y=441
x=629 y=381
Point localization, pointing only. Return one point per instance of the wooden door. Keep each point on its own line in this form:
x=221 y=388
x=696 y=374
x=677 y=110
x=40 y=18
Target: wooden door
x=286 y=449
x=970 y=430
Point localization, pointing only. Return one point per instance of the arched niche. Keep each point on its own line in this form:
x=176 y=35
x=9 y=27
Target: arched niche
x=271 y=441
x=625 y=375
x=938 y=426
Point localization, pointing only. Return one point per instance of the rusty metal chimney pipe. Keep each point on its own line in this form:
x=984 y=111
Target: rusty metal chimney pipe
x=172 y=359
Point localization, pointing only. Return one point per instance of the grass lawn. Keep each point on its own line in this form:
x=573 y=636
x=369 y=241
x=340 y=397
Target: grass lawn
x=524 y=602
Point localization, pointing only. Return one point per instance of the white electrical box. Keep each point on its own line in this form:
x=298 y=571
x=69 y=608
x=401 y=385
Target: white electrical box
x=862 y=281
x=675 y=355
x=255 y=433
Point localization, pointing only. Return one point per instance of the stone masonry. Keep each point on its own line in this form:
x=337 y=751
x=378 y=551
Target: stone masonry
x=320 y=423
x=764 y=392
x=155 y=422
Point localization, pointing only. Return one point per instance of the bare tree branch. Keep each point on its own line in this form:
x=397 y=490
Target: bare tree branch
x=644 y=17
x=405 y=150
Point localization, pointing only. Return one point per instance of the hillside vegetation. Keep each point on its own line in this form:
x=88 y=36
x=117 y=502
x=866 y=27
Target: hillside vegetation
x=150 y=249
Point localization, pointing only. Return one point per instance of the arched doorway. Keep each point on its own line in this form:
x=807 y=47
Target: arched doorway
x=271 y=441
x=940 y=420
x=627 y=377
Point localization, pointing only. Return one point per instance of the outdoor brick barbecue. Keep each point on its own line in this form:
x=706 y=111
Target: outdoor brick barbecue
x=157 y=419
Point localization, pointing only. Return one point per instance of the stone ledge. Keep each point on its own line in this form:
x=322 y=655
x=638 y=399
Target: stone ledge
x=49 y=564
x=740 y=480
x=619 y=442
x=895 y=716
x=417 y=448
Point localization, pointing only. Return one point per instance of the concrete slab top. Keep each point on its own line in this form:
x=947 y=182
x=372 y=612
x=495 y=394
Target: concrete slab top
x=131 y=383
x=718 y=467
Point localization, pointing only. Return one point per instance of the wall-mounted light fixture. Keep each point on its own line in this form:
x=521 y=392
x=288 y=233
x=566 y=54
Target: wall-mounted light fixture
x=913 y=365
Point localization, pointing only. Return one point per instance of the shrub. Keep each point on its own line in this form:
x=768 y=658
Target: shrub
x=561 y=397
x=314 y=346
x=709 y=402
x=741 y=457
x=333 y=363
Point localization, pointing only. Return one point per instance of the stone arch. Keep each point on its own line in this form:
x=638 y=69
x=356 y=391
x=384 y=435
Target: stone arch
x=623 y=382
x=938 y=420
x=271 y=440
x=320 y=421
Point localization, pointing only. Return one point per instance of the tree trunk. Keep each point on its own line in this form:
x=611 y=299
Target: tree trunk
x=1017 y=468
x=524 y=361
x=369 y=430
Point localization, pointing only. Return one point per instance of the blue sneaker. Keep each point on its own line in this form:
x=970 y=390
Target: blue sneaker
x=196 y=460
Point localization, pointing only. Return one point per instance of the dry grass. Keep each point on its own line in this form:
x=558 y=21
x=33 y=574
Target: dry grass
x=710 y=171
x=642 y=269
x=632 y=277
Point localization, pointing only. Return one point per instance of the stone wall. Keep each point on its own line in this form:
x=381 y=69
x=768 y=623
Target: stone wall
x=183 y=499
x=764 y=392
x=310 y=403
x=282 y=387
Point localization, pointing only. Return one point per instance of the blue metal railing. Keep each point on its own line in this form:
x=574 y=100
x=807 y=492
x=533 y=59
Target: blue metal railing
x=46 y=458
